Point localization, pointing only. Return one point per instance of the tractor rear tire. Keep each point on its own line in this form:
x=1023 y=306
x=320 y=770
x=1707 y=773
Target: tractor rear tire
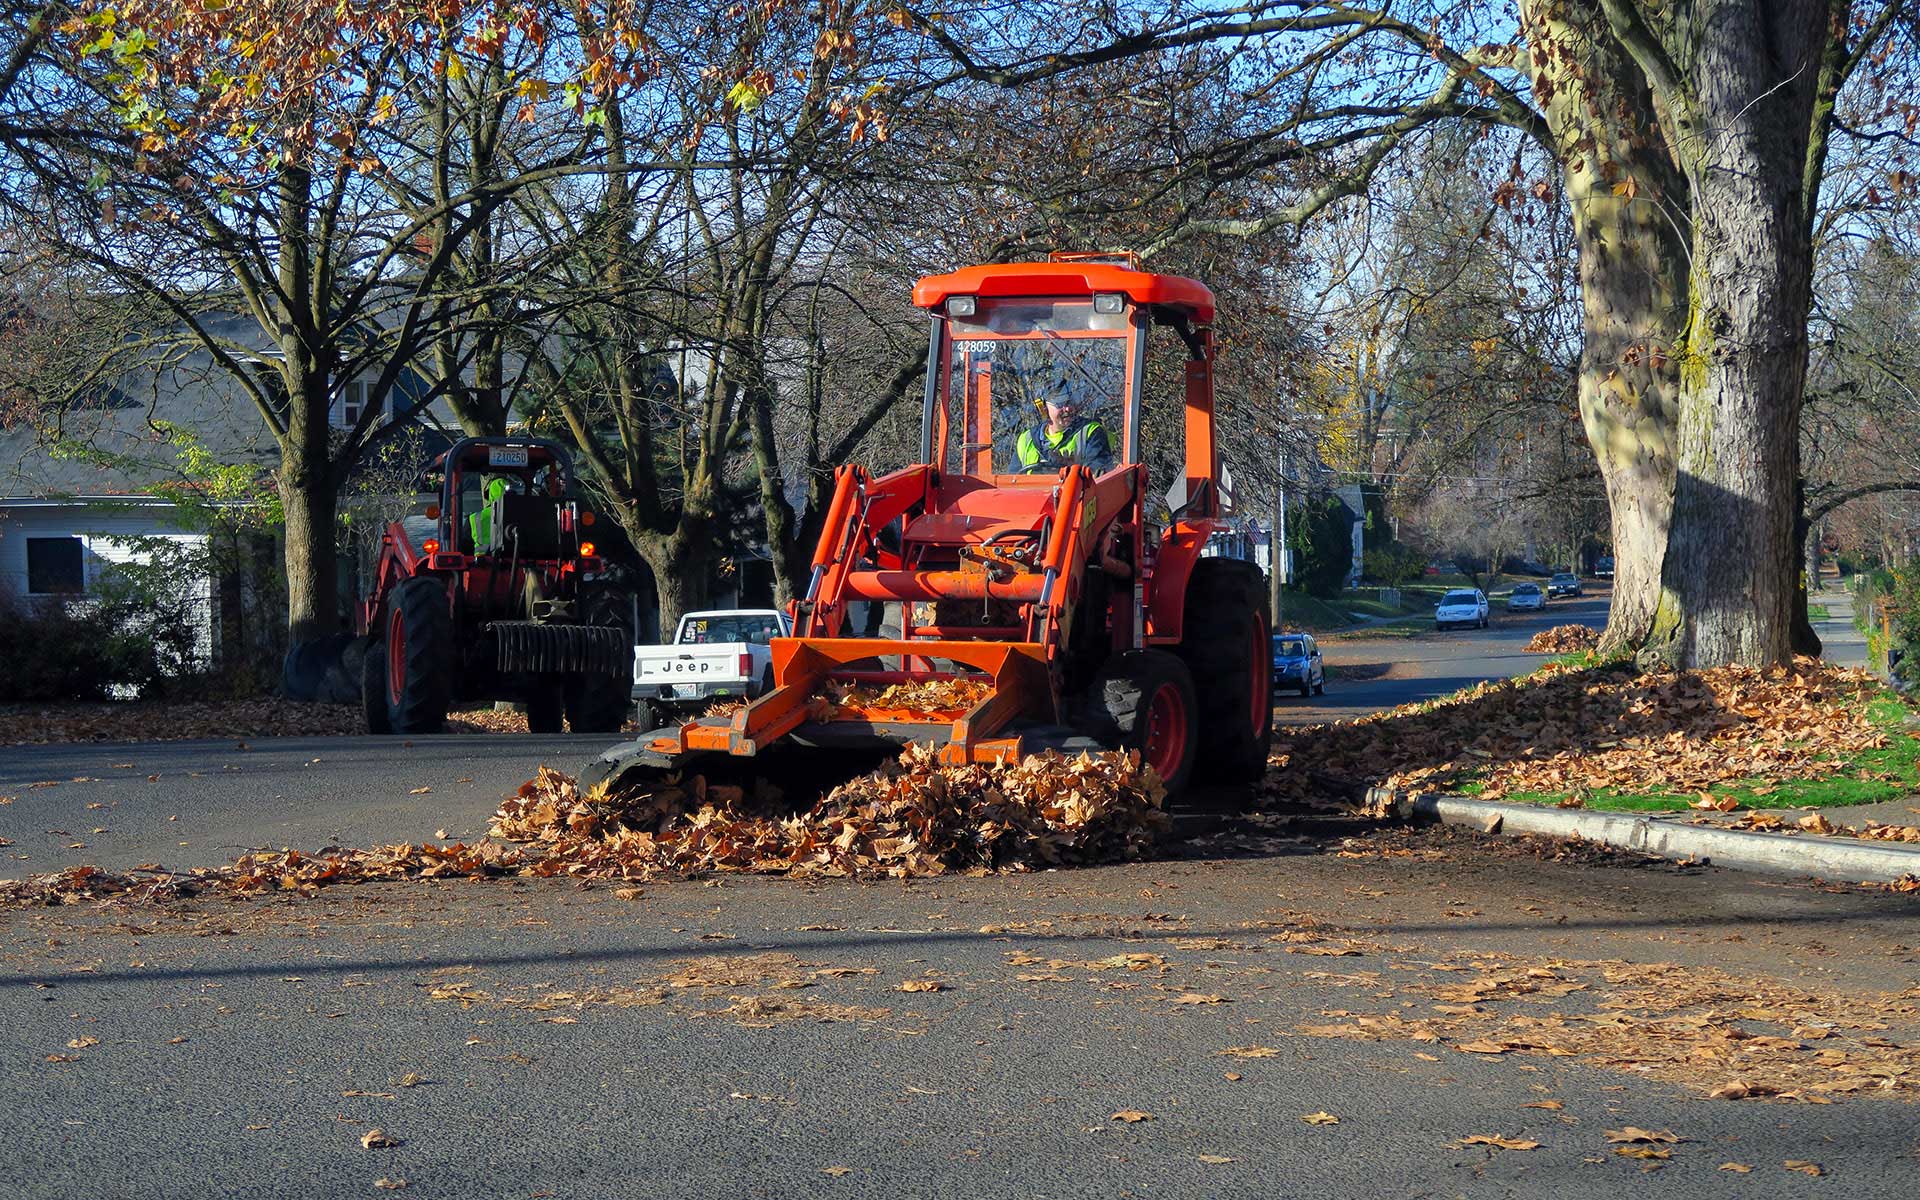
x=373 y=685
x=1225 y=641
x=598 y=703
x=419 y=652
x=1144 y=700
x=546 y=701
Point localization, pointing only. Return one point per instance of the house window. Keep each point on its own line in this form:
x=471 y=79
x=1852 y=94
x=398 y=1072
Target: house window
x=353 y=403
x=54 y=566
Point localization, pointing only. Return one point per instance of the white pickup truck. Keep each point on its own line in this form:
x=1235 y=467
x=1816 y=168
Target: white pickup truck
x=723 y=655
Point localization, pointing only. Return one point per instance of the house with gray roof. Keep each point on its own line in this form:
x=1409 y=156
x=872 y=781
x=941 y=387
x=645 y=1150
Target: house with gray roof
x=133 y=474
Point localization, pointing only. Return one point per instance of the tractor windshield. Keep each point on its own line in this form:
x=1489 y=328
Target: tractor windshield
x=1038 y=385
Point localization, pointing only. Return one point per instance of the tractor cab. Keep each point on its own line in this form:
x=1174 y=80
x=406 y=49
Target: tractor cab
x=508 y=497
x=1038 y=366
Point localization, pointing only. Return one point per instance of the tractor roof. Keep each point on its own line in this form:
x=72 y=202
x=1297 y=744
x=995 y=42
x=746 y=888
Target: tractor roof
x=1069 y=278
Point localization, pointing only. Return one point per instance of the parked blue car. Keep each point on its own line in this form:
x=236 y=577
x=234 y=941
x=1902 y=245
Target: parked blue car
x=1296 y=664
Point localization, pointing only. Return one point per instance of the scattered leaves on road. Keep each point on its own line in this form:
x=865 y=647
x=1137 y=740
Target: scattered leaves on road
x=1499 y=1141
x=1321 y=1118
x=922 y=985
x=1804 y=1167
x=378 y=1139
x=1634 y=1134
x=1131 y=1116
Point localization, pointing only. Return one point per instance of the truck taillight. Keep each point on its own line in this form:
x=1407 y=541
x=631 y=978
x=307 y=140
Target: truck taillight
x=746 y=666
x=586 y=549
x=431 y=546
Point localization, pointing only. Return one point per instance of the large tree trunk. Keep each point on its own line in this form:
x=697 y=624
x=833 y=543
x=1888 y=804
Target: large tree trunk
x=1731 y=569
x=313 y=565
x=679 y=565
x=1629 y=219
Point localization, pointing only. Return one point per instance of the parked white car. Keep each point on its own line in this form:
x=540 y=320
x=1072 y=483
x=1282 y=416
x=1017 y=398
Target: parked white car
x=720 y=655
x=1525 y=596
x=1462 y=606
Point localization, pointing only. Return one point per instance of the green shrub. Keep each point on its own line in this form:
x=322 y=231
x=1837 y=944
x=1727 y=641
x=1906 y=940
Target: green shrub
x=1394 y=564
x=81 y=648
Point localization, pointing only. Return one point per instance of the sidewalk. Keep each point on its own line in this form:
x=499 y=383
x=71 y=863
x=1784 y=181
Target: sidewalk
x=1842 y=644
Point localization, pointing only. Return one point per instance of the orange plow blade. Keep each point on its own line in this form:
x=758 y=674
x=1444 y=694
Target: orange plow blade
x=856 y=698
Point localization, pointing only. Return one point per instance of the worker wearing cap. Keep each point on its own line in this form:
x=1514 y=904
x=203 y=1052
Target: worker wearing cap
x=1064 y=438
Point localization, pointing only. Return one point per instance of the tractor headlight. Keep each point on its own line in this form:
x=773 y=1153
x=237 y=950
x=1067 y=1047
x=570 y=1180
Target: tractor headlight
x=1108 y=302
x=960 y=306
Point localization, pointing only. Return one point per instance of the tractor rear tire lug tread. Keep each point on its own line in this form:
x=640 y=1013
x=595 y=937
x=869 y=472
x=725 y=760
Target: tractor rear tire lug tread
x=1226 y=602
x=420 y=604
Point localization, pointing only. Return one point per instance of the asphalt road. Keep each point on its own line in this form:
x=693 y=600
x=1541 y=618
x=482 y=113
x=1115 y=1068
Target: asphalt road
x=523 y=1039
x=749 y=1037
x=1433 y=663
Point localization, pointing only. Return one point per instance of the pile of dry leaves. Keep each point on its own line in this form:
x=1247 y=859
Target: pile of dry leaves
x=154 y=721
x=939 y=699
x=1564 y=639
x=913 y=817
x=1573 y=730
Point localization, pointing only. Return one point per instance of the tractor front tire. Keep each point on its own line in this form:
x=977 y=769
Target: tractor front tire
x=419 y=655
x=1225 y=641
x=373 y=685
x=597 y=703
x=1144 y=700
x=545 y=706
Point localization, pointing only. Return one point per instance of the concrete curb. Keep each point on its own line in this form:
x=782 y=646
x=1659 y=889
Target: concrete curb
x=1848 y=859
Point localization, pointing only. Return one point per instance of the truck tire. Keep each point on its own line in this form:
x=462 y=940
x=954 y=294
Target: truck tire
x=419 y=654
x=1225 y=641
x=546 y=705
x=1144 y=700
x=598 y=703
x=373 y=685
x=650 y=716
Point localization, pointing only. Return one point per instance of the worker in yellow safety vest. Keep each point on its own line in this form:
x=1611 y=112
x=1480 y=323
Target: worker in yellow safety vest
x=480 y=524
x=1062 y=438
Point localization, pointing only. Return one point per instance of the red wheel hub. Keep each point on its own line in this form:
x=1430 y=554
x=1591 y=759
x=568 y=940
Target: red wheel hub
x=396 y=659
x=1166 y=731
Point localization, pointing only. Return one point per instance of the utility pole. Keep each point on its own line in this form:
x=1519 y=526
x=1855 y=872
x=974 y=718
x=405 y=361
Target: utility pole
x=1277 y=578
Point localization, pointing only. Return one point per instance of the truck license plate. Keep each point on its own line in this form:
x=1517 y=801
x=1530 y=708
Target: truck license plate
x=506 y=456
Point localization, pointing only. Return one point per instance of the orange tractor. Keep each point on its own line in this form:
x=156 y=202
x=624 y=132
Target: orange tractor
x=1028 y=588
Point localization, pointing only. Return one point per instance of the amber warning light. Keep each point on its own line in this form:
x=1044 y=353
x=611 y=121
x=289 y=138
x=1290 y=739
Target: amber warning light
x=586 y=549
x=431 y=546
